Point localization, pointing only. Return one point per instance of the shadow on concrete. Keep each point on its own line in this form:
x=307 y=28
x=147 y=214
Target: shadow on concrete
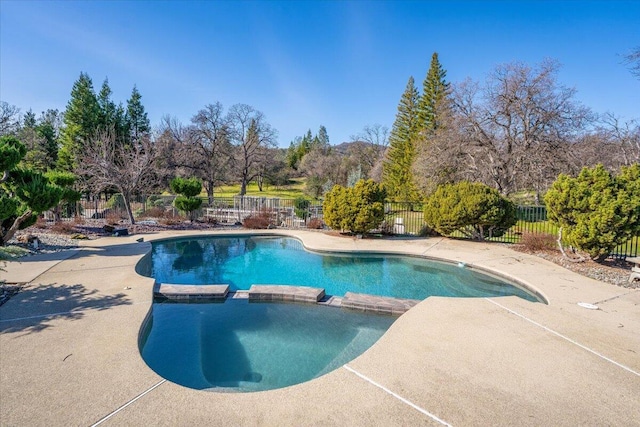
x=32 y=309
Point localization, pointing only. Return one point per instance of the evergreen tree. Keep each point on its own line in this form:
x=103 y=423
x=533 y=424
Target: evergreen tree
x=108 y=110
x=29 y=120
x=49 y=129
x=81 y=119
x=111 y=118
x=24 y=193
x=323 y=136
x=397 y=176
x=435 y=91
x=137 y=121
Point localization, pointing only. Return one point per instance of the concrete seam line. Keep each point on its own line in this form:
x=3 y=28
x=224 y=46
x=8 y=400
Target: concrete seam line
x=558 y=334
x=103 y=419
x=397 y=396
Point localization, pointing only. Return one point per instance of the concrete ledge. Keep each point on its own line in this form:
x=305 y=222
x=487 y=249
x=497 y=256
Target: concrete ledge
x=190 y=292
x=285 y=293
x=373 y=303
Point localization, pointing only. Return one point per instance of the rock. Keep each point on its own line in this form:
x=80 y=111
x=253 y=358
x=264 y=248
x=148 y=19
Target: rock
x=109 y=228
x=121 y=232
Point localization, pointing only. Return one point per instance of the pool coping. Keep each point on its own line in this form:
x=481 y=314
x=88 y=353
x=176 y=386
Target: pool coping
x=501 y=361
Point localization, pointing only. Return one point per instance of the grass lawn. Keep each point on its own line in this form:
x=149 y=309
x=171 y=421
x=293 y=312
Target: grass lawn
x=290 y=191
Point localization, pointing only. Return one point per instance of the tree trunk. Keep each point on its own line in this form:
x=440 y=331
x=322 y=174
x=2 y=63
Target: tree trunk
x=127 y=205
x=209 y=188
x=14 y=227
x=243 y=187
x=260 y=180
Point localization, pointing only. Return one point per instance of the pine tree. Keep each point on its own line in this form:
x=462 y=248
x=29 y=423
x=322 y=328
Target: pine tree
x=397 y=175
x=321 y=140
x=81 y=119
x=137 y=121
x=435 y=91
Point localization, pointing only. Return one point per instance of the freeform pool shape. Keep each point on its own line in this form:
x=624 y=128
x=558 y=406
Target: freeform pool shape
x=236 y=345
x=243 y=261
x=241 y=346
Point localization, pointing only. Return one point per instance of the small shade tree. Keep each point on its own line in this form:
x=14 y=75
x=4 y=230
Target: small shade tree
x=187 y=189
x=359 y=209
x=24 y=193
x=596 y=211
x=471 y=208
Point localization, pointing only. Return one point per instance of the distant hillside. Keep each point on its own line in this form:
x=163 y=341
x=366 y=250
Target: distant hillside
x=345 y=147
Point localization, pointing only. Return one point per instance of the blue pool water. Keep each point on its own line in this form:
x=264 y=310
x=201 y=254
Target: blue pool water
x=236 y=345
x=242 y=346
x=243 y=261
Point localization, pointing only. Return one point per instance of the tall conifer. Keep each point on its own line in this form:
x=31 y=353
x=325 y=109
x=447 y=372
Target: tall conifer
x=136 y=118
x=81 y=119
x=397 y=175
x=435 y=91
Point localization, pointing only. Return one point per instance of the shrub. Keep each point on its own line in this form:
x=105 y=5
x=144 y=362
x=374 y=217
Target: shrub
x=261 y=220
x=535 y=242
x=63 y=227
x=188 y=204
x=301 y=207
x=358 y=209
x=116 y=201
x=188 y=189
x=472 y=208
x=315 y=224
x=64 y=180
x=154 y=212
x=112 y=218
x=596 y=211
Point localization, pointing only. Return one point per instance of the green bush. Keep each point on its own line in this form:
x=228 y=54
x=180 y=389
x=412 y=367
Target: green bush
x=301 y=207
x=188 y=205
x=24 y=193
x=596 y=211
x=472 y=208
x=66 y=181
x=188 y=189
x=359 y=209
x=116 y=202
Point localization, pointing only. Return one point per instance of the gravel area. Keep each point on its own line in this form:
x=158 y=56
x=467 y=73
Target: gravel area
x=615 y=272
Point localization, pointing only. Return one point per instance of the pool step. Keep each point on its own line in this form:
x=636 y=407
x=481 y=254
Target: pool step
x=285 y=293
x=191 y=292
x=377 y=304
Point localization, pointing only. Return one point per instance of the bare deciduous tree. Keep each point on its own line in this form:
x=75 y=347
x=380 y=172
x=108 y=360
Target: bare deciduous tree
x=368 y=148
x=9 y=118
x=632 y=59
x=208 y=147
x=130 y=169
x=625 y=137
x=252 y=136
x=516 y=131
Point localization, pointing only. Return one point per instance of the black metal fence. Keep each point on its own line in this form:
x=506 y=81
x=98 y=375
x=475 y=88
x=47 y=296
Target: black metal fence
x=400 y=218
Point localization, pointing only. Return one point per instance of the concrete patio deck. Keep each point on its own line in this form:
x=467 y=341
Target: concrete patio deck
x=69 y=350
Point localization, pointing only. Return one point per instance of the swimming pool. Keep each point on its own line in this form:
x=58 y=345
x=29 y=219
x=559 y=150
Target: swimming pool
x=238 y=345
x=241 y=346
x=246 y=260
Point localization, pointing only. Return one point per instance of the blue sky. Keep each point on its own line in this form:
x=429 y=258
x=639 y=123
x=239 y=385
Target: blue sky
x=341 y=64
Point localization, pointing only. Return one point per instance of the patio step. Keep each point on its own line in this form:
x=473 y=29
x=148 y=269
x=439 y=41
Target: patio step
x=377 y=304
x=285 y=293
x=191 y=292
